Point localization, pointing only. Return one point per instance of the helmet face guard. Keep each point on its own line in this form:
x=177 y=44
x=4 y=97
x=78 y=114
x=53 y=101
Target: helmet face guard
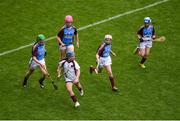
x=147 y=20
x=108 y=39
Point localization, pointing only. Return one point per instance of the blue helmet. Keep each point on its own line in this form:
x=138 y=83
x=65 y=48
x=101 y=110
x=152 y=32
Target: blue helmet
x=147 y=20
x=70 y=54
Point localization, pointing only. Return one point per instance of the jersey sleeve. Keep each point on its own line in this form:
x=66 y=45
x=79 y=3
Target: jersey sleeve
x=61 y=63
x=45 y=52
x=153 y=32
x=34 y=50
x=100 y=49
x=61 y=33
x=75 y=31
x=76 y=65
x=140 y=31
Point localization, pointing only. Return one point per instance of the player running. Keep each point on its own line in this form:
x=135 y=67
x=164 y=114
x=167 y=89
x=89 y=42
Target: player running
x=37 y=60
x=145 y=35
x=65 y=37
x=103 y=59
x=71 y=74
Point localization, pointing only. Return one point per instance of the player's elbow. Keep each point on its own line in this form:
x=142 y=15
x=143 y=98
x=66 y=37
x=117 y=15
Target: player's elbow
x=33 y=57
x=58 y=38
x=139 y=36
x=78 y=72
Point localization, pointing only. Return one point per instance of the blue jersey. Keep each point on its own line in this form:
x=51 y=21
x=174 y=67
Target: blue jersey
x=146 y=32
x=67 y=34
x=104 y=50
x=38 y=51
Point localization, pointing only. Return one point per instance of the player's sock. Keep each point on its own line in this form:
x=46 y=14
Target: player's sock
x=143 y=60
x=41 y=80
x=74 y=99
x=25 y=81
x=112 y=81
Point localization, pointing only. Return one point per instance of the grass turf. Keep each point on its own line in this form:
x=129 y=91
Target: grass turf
x=151 y=93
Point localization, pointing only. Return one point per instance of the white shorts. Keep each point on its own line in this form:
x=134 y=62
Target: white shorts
x=65 y=47
x=69 y=76
x=105 y=61
x=69 y=80
x=145 y=44
x=34 y=65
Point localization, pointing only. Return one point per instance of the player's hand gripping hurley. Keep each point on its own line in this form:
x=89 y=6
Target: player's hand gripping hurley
x=160 y=39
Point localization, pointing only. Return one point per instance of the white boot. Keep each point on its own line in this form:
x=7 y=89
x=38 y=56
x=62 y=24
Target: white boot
x=77 y=104
x=81 y=92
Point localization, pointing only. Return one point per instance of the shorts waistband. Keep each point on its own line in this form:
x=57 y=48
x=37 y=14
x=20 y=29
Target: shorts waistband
x=104 y=56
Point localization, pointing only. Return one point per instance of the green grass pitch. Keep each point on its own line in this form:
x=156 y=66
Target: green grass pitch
x=151 y=93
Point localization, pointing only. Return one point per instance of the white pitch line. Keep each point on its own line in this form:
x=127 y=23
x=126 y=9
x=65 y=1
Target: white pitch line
x=93 y=24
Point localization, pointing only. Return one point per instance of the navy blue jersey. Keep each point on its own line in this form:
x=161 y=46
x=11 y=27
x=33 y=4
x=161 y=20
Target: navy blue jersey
x=38 y=51
x=104 y=50
x=67 y=34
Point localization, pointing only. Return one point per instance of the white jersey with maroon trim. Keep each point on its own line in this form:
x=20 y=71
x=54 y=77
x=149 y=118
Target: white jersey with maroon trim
x=69 y=69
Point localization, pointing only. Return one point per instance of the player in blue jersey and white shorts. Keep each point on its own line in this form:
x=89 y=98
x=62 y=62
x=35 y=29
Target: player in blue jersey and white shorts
x=103 y=60
x=37 y=61
x=71 y=75
x=66 y=35
x=145 y=35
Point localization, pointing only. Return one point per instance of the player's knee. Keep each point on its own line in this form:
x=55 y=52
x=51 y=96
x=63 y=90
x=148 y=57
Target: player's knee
x=146 y=55
x=76 y=83
x=142 y=54
x=139 y=53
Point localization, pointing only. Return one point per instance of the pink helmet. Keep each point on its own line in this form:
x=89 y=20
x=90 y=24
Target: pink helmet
x=68 y=19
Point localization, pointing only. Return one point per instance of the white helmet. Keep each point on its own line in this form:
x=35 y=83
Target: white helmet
x=108 y=36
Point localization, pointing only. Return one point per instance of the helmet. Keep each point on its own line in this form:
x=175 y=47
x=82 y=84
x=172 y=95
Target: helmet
x=68 y=19
x=70 y=54
x=147 y=20
x=108 y=36
x=40 y=37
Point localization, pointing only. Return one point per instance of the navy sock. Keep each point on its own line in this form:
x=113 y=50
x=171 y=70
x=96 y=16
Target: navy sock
x=25 y=80
x=112 y=81
x=41 y=80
